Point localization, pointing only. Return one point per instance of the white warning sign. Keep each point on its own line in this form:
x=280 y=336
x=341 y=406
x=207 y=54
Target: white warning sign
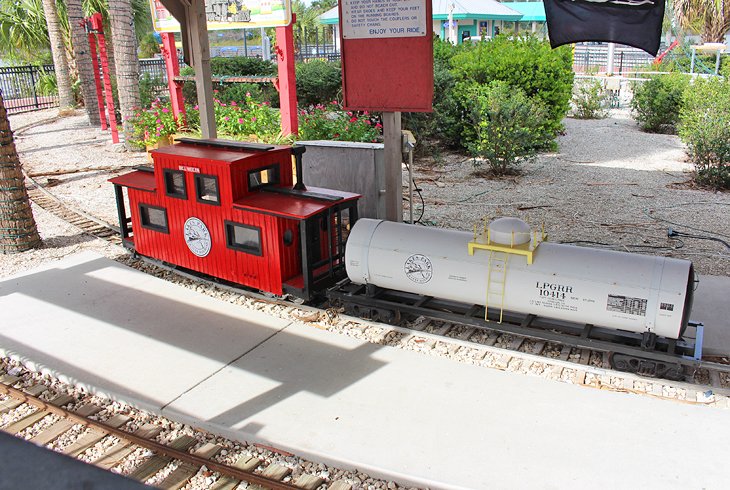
x=375 y=19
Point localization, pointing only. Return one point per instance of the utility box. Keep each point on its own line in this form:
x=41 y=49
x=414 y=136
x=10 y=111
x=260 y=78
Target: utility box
x=350 y=167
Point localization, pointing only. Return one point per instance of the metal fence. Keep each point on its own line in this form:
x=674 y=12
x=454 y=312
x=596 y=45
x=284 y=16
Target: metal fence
x=20 y=88
x=595 y=58
x=319 y=43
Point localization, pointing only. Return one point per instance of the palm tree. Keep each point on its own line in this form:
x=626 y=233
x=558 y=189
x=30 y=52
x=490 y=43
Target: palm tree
x=125 y=61
x=16 y=217
x=711 y=18
x=58 y=50
x=84 y=67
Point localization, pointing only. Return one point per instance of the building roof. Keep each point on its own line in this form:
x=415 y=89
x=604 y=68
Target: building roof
x=474 y=9
x=531 y=11
x=463 y=9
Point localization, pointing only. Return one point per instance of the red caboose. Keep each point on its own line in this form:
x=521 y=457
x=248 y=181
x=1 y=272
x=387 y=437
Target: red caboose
x=230 y=210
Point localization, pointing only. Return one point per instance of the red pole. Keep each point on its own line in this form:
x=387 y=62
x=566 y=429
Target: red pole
x=172 y=65
x=98 y=26
x=97 y=80
x=287 y=78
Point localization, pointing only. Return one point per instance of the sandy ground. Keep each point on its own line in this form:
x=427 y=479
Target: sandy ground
x=609 y=185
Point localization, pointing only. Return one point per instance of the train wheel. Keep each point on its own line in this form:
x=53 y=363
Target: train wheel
x=646 y=367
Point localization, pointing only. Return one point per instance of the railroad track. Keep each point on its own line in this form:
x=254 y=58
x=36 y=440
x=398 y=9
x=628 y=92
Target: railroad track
x=45 y=421
x=710 y=375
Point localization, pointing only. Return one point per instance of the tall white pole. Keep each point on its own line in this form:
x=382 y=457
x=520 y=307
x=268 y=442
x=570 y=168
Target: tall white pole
x=452 y=34
x=609 y=64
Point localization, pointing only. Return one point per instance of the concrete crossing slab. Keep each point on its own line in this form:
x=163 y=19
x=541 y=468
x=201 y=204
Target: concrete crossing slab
x=106 y=325
x=392 y=413
x=440 y=424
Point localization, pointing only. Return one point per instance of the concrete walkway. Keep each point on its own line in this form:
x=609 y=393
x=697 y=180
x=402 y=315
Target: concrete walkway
x=396 y=414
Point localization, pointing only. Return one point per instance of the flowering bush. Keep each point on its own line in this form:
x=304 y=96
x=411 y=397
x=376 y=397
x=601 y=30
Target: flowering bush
x=332 y=123
x=248 y=119
x=151 y=125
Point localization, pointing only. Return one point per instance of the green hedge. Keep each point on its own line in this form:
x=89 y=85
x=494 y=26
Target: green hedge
x=318 y=82
x=524 y=63
x=657 y=102
x=704 y=126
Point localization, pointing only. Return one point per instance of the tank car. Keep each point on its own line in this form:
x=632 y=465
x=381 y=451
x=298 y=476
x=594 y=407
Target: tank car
x=620 y=302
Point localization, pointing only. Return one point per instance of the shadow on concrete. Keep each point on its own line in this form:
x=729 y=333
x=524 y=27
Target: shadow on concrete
x=93 y=306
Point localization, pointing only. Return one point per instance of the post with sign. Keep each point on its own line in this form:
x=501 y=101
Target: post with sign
x=194 y=18
x=387 y=66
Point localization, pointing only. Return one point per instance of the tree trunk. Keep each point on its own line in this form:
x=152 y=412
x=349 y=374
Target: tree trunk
x=18 y=231
x=58 y=50
x=81 y=48
x=125 y=61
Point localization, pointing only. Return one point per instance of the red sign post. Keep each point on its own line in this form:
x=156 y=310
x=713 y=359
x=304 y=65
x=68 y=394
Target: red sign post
x=95 y=28
x=387 y=55
x=387 y=65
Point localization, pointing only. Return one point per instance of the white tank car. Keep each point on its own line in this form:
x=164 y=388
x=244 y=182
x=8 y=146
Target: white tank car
x=626 y=291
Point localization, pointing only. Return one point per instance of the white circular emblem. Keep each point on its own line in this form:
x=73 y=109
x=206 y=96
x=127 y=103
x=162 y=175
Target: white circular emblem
x=197 y=237
x=418 y=268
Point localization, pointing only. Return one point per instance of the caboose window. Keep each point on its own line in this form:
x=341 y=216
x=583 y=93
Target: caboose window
x=243 y=238
x=175 y=183
x=153 y=218
x=263 y=176
x=206 y=189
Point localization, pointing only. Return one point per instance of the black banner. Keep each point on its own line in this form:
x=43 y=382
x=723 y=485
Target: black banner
x=635 y=23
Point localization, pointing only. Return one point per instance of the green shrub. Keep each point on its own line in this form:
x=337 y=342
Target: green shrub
x=46 y=83
x=656 y=102
x=524 y=63
x=150 y=89
x=590 y=99
x=330 y=122
x=148 y=46
x=445 y=123
x=238 y=92
x=704 y=126
x=508 y=126
x=242 y=66
x=318 y=82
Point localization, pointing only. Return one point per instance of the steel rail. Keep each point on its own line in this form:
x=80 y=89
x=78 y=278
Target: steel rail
x=185 y=457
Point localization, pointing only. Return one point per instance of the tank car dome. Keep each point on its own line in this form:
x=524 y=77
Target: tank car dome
x=509 y=231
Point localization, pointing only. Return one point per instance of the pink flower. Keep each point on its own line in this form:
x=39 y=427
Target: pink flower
x=378 y=125
x=215 y=91
x=353 y=119
x=366 y=113
x=240 y=120
x=253 y=119
x=226 y=118
x=195 y=108
x=165 y=110
x=233 y=103
x=334 y=102
x=248 y=94
x=349 y=113
x=158 y=121
x=266 y=103
x=367 y=121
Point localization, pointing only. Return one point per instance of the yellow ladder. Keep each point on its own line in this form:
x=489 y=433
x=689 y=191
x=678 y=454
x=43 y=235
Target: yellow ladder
x=496 y=279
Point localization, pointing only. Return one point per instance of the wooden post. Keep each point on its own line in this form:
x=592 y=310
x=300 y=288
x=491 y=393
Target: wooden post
x=287 y=78
x=393 y=173
x=198 y=32
x=172 y=66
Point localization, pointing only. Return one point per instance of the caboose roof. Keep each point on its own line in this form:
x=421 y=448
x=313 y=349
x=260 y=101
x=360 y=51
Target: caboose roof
x=291 y=206
x=219 y=155
x=141 y=180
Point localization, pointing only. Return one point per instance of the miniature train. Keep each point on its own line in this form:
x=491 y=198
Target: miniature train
x=232 y=211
